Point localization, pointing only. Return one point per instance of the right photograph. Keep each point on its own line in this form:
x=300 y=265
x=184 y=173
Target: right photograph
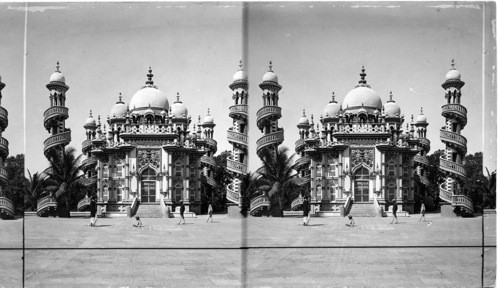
x=373 y=145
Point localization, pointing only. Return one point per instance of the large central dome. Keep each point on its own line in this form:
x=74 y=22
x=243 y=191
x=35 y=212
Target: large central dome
x=362 y=96
x=149 y=97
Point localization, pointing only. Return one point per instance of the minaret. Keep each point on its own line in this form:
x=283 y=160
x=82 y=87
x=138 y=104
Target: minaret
x=56 y=115
x=88 y=165
x=267 y=116
x=421 y=163
x=451 y=162
x=6 y=205
x=237 y=135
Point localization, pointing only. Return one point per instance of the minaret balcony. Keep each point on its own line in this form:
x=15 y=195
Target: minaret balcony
x=240 y=110
x=464 y=202
x=456 y=111
x=61 y=139
x=87 y=144
x=444 y=194
x=268 y=112
x=274 y=138
x=452 y=167
x=210 y=161
x=4 y=147
x=238 y=138
x=459 y=141
x=236 y=167
x=421 y=159
x=55 y=112
x=44 y=204
x=299 y=144
x=4 y=121
x=233 y=196
x=6 y=207
x=259 y=202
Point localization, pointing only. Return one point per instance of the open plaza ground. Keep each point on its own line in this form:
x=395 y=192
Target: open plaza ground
x=251 y=252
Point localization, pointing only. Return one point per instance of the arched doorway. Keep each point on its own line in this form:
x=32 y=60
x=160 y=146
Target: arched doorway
x=148 y=186
x=361 y=185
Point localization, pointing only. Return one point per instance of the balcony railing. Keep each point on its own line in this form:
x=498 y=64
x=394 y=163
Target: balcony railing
x=55 y=111
x=456 y=109
x=44 y=204
x=59 y=139
x=86 y=144
x=270 y=139
x=299 y=144
x=208 y=160
x=259 y=202
x=268 y=111
x=232 y=196
x=236 y=167
x=238 y=110
x=6 y=207
x=4 y=120
x=4 y=147
x=83 y=204
x=444 y=194
x=463 y=201
x=297 y=202
x=421 y=159
x=455 y=138
x=237 y=137
x=452 y=167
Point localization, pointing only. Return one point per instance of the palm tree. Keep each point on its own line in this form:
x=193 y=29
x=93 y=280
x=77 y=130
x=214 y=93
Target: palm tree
x=490 y=189
x=277 y=176
x=34 y=190
x=65 y=176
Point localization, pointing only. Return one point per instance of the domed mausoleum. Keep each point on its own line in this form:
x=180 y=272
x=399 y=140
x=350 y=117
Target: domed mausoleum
x=147 y=153
x=358 y=159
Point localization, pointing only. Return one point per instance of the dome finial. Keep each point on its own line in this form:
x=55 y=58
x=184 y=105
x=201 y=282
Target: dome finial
x=208 y=111
x=303 y=112
x=150 y=77
x=333 y=98
x=362 y=74
x=91 y=114
x=421 y=110
x=178 y=97
x=411 y=118
x=390 y=97
x=57 y=66
x=270 y=66
x=199 y=119
x=241 y=64
x=452 y=63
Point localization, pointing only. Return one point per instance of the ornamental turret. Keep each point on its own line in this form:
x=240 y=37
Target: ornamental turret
x=237 y=135
x=452 y=160
x=6 y=205
x=268 y=116
x=56 y=115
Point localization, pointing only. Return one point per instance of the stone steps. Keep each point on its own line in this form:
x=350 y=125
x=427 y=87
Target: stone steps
x=363 y=210
x=148 y=210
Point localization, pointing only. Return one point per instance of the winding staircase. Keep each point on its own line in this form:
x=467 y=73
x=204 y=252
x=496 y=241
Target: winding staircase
x=451 y=162
x=54 y=122
x=237 y=135
x=6 y=205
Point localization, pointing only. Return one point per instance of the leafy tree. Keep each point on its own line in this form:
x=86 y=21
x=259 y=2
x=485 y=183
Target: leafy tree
x=217 y=195
x=65 y=178
x=277 y=178
x=34 y=190
x=14 y=190
x=490 y=190
x=435 y=176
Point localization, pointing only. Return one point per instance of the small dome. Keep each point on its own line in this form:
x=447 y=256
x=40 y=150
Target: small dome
x=90 y=122
x=376 y=112
x=362 y=96
x=163 y=113
x=362 y=111
x=240 y=75
x=149 y=111
x=179 y=110
x=332 y=109
x=421 y=118
x=208 y=120
x=270 y=76
x=391 y=108
x=303 y=120
x=57 y=76
x=453 y=74
x=119 y=109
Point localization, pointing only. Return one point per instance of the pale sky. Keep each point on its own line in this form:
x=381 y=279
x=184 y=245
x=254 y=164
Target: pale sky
x=316 y=48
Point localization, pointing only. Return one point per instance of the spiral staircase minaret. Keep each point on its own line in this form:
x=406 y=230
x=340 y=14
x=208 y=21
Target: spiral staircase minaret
x=451 y=162
x=6 y=205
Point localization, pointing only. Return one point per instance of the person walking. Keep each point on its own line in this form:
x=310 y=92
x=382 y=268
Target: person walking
x=351 y=221
x=93 y=210
x=210 y=212
x=394 y=211
x=182 y=209
x=422 y=212
x=306 y=214
x=139 y=222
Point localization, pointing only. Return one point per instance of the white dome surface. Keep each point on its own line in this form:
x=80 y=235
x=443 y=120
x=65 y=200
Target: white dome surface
x=90 y=121
x=303 y=120
x=392 y=109
x=331 y=110
x=240 y=75
x=119 y=110
x=362 y=96
x=421 y=118
x=270 y=77
x=208 y=120
x=57 y=77
x=149 y=96
x=179 y=110
x=453 y=74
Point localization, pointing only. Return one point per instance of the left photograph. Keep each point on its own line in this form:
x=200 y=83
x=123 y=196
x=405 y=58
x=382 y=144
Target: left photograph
x=14 y=186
